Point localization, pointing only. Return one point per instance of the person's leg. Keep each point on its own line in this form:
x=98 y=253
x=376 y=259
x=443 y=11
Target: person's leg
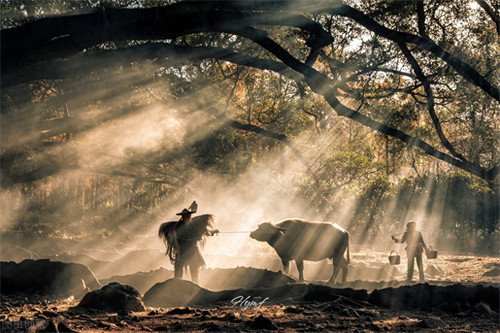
x=194 y=273
x=420 y=266
x=411 y=262
x=178 y=269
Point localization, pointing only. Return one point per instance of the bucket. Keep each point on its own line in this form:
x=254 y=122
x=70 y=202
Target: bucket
x=431 y=254
x=394 y=259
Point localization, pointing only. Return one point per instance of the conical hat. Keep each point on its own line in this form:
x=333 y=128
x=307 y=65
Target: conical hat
x=192 y=209
x=184 y=212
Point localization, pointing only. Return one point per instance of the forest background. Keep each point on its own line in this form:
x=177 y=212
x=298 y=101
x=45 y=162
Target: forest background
x=368 y=114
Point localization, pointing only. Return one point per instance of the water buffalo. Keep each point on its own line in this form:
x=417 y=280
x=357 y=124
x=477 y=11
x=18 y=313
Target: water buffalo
x=299 y=240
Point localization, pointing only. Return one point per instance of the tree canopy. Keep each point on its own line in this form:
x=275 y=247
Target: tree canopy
x=361 y=94
x=410 y=46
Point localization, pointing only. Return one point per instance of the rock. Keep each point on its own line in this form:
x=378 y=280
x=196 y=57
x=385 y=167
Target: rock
x=206 y=313
x=181 y=310
x=483 y=308
x=50 y=314
x=375 y=328
x=63 y=328
x=114 y=297
x=326 y=293
x=215 y=279
x=368 y=312
x=293 y=309
x=242 y=277
x=431 y=323
x=96 y=266
x=177 y=292
x=56 y=324
x=154 y=312
x=142 y=281
x=124 y=312
x=233 y=317
x=262 y=323
x=106 y=325
x=46 y=277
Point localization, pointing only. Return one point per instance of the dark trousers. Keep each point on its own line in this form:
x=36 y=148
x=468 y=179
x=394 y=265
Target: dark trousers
x=188 y=255
x=179 y=271
x=411 y=262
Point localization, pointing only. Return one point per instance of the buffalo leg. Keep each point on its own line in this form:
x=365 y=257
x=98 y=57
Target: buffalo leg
x=337 y=264
x=286 y=265
x=300 y=268
x=344 y=265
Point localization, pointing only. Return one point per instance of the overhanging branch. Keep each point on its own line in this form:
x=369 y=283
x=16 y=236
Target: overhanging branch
x=430 y=101
x=321 y=84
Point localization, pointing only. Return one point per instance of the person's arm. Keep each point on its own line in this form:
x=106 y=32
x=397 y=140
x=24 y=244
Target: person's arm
x=213 y=232
x=423 y=243
x=402 y=240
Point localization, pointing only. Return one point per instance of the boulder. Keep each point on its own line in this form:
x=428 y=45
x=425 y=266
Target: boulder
x=176 y=293
x=96 y=266
x=483 y=308
x=114 y=297
x=214 y=279
x=142 y=281
x=242 y=277
x=261 y=323
x=45 y=277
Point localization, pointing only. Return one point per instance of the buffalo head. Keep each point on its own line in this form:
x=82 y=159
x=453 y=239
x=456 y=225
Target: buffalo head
x=265 y=232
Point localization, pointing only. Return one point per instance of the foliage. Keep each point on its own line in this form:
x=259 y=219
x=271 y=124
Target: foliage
x=129 y=124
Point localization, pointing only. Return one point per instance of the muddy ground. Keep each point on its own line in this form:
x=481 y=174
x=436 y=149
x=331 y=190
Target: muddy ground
x=342 y=314
x=373 y=299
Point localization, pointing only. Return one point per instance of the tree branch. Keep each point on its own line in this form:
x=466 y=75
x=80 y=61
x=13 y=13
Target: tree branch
x=464 y=69
x=430 y=101
x=321 y=84
x=80 y=65
x=421 y=19
x=491 y=13
x=50 y=38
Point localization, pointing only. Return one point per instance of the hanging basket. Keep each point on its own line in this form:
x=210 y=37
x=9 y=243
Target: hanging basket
x=431 y=254
x=394 y=259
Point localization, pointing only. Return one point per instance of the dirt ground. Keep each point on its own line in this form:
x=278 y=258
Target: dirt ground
x=342 y=315
x=31 y=313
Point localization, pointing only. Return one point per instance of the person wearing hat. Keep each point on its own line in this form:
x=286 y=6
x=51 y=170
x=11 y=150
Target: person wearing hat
x=186 y=246
x=414 y=248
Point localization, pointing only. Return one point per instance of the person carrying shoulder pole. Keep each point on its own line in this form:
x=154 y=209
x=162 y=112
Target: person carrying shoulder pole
x=414 y=247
